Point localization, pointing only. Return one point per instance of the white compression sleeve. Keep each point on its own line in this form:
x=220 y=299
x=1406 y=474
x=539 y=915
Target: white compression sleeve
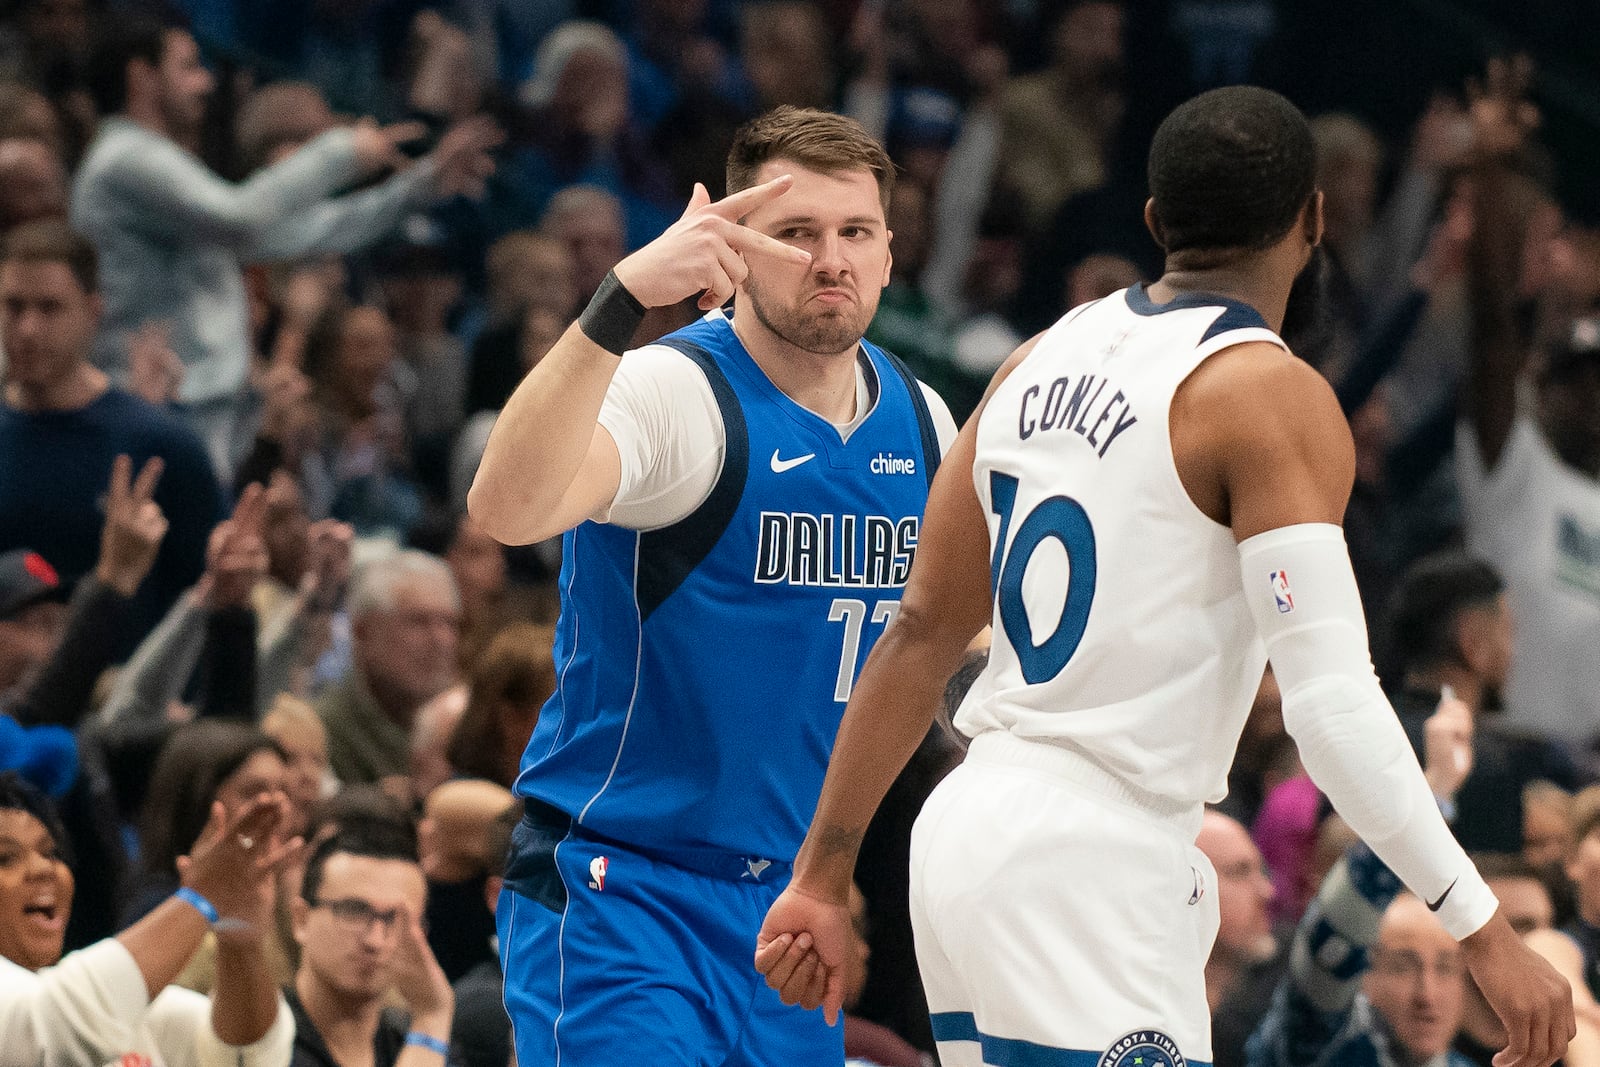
x=1302 y=592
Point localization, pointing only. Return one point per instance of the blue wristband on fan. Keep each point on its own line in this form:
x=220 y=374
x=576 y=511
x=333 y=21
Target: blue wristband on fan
x=429 y=1042
x=198 y=903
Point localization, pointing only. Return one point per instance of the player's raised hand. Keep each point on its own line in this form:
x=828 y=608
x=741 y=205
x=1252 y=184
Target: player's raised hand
x=802 y=949
x=1533 y=1001
x=706 y=251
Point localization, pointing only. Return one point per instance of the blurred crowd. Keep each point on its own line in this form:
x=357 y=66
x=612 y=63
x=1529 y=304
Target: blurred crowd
x=269 y=270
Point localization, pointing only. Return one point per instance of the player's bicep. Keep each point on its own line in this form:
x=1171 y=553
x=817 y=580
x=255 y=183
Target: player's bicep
x=595 y=485
x=948 y=587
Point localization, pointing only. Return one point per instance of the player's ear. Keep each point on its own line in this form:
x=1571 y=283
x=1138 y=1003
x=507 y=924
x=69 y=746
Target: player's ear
x=888 y=258
x=1313 y=221
x=1152 y=222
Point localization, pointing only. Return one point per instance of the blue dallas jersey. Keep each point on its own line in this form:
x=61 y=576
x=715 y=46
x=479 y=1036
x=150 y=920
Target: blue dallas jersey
x=703 y=668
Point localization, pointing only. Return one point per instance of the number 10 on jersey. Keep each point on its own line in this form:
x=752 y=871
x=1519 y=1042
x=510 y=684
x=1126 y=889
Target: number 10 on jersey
x=853 y=613
x=1058 y=517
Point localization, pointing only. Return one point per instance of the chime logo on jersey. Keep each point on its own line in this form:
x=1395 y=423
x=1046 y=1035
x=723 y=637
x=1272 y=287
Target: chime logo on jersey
x=597 y=872
x=1282 y=595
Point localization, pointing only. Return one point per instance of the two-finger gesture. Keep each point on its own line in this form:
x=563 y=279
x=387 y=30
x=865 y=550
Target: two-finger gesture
x=236 y=555
x=134 y=525
x=707 y=251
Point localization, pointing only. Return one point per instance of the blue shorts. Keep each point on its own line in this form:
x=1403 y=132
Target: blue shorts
x=611 y=957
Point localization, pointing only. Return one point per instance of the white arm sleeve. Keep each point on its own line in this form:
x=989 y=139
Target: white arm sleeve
x=664 y=418
x=1302 y=592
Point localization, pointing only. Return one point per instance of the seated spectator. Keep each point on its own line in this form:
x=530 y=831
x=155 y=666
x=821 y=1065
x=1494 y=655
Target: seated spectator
x=406 y=620
x=1450 y=629
x=480 y=1036
x=33 y=182
x=1547 y=814
x=175 y=234
x=62 y=424
x=451 y=839
x=435 y=724
x=358 y=921
x=113 y=1002
x=362 y=391
x=1245 y=962
x=525 y=270
x=303 y=740
x=588 y=220
x=203 y=764
x=510 y=683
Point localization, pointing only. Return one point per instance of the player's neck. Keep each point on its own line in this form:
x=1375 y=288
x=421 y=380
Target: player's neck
x=823 y=384
x=1255 y=283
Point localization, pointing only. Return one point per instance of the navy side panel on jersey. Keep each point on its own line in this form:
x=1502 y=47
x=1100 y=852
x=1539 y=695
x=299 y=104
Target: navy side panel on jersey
x=703 y=668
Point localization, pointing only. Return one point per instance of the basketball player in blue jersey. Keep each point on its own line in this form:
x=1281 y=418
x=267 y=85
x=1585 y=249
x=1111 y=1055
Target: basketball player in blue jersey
x=1146 y=508
x=741 y=501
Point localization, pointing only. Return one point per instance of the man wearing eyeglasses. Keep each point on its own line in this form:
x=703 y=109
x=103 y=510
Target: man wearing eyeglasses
x=358 y=924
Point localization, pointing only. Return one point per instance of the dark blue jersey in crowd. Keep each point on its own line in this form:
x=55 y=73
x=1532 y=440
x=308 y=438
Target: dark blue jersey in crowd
x=703 y=667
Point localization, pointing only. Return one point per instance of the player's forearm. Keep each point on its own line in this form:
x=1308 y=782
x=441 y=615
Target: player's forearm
x=888 y=716
x=540 y=440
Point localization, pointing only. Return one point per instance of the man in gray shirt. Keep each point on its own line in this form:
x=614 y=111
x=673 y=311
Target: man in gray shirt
x=173 y=236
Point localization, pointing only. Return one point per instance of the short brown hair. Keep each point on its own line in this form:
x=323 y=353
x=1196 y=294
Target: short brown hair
x=817 y=140
x=517 y=668
x=53 y=241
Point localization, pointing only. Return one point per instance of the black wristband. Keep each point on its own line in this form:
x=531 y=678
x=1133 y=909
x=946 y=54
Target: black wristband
x=612 y=316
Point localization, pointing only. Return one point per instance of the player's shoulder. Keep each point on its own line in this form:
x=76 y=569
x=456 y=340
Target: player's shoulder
x=1256 y=369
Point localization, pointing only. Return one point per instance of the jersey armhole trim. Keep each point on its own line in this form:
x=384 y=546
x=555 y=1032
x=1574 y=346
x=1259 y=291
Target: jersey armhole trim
x=931 y=453
x=667 y=555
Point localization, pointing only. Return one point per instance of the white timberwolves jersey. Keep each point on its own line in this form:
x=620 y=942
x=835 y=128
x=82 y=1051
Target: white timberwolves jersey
x=1120 y=625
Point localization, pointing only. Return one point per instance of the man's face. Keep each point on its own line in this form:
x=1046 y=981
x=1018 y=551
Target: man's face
x=1524 y=901
x=183 y=83
x=596 y=239
x=1584 y=871
x=1243 y=891
x=823 y=307
x=1089 y=45
x=412 y=647
x=349 y=934
x=1417 y=981
x=26 y=640
x=35 y=892
x=47 y=322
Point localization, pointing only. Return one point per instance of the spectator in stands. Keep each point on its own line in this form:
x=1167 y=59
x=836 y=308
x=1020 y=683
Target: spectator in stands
x=589 y=221
x=1058 y=124
x=435 y=724
x=406 y=617
x=62 y=424
x=112 y=1002
x=1245 y=962
x=510 y=683
x=526 y=270
x=202 y=764
x=451 y=837
x=33 y=182
x=1449 y=629
x=1530 y=472
x=174 y=235
x=303 y=740
x=481 y=1033
x=1547 y=813
x=359 y=925
x=1583 y=869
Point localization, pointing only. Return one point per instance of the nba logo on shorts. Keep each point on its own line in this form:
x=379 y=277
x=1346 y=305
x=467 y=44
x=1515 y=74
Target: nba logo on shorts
x=597 y=872
x=1281 y=593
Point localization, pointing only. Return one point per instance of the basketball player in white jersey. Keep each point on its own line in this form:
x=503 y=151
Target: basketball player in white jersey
x=1146 y=508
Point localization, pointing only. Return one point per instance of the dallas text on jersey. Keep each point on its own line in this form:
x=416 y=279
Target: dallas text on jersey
x=843 y=551
x=1082 y=413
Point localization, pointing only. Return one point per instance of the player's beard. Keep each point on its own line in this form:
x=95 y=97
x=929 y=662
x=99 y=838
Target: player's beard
x=816 y=328
x=1306 y=329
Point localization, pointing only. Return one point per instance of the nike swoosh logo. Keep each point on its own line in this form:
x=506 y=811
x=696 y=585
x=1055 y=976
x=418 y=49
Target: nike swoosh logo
x=1435 y=905
x=781 y=465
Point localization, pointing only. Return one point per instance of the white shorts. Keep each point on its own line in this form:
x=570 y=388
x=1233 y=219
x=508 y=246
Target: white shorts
x=1059 y=919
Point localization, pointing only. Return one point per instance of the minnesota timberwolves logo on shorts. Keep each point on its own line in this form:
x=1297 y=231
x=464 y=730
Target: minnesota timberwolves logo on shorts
x=1143 y=1048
